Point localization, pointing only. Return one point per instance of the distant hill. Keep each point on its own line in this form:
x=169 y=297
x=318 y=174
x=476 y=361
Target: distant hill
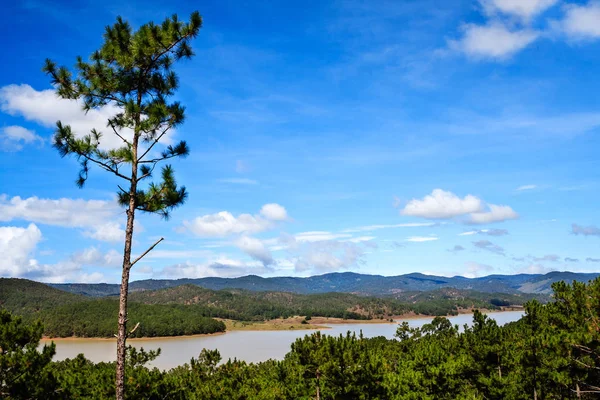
x=349 y=282
x=187 y=309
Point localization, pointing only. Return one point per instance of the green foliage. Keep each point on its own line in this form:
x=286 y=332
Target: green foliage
x=247 y=305
x=131 y=71
x=24 y=370
x=96 y=318
x=553 y=352
x=24 y=297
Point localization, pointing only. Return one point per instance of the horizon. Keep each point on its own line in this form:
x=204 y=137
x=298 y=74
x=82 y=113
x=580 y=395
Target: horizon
x=315 y=276
x=448 y=139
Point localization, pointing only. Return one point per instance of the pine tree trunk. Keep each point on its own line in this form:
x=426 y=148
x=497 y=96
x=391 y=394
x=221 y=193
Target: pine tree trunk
x=122 y=332
x=499 y=368
x=318 y=386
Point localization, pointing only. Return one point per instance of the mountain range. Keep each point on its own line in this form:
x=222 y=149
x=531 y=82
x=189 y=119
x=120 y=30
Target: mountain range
x=348 y=282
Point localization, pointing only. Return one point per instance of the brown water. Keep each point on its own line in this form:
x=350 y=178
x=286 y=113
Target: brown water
x=250 y=346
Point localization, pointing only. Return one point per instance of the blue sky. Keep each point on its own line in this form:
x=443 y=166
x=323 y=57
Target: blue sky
x=385 y=137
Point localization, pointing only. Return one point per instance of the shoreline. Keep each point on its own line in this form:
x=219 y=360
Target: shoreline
x=292 y=323
x=145 y=338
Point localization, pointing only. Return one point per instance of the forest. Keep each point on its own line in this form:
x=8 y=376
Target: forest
x=190 y=309
x=552 y=352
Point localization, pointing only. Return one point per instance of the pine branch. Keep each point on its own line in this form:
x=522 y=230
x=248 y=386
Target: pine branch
x=104 y=166
x=157 y=160
x=117 y=133
x=139 y=160
x=149 y=173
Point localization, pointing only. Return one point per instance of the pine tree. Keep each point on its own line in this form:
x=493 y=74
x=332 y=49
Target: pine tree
x=132 y=72
x=23 y=368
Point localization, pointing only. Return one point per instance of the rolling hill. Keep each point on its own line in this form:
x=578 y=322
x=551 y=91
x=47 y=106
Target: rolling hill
x=188 y=309
x=349 y=282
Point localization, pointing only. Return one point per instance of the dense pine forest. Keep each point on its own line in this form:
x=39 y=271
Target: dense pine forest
x=553 y=352
x=190 y=309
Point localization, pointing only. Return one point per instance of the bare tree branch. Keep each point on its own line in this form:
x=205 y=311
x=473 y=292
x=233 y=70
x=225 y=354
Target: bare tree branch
x=146 y=252
x=134 y=328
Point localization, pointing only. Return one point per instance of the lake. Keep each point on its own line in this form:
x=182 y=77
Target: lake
x=250 y=346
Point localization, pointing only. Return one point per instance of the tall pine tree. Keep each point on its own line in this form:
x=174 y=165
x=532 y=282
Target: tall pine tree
x=132 y=73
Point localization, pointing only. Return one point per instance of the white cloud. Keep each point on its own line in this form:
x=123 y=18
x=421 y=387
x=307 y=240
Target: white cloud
x=94 y=257
x=493 y=41
x=475 y=270
x=109 y=232
x=359 y=239
x=535 y=269
x=524 y=9
x=526 y=187
x=218 y=267
x=45 y=108
x=274 y=212
x=93 y=215
x=17 y=250
x=496 y=213
x=441 y=204
x=487 y=232
x=419 y=239
x=319 y=236
x=239 y=181
x=13 y=137
x=255 y=248
x=321 y=252
x=174 y=254
x=582 y=21
x=328 y=256
x=369 y=228
x=224 y=223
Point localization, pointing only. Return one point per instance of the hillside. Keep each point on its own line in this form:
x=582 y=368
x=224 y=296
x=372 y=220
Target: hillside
x=23 y=297
x=243 y=304
x=65 y=314
x=188 y=309
x=349 y=282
